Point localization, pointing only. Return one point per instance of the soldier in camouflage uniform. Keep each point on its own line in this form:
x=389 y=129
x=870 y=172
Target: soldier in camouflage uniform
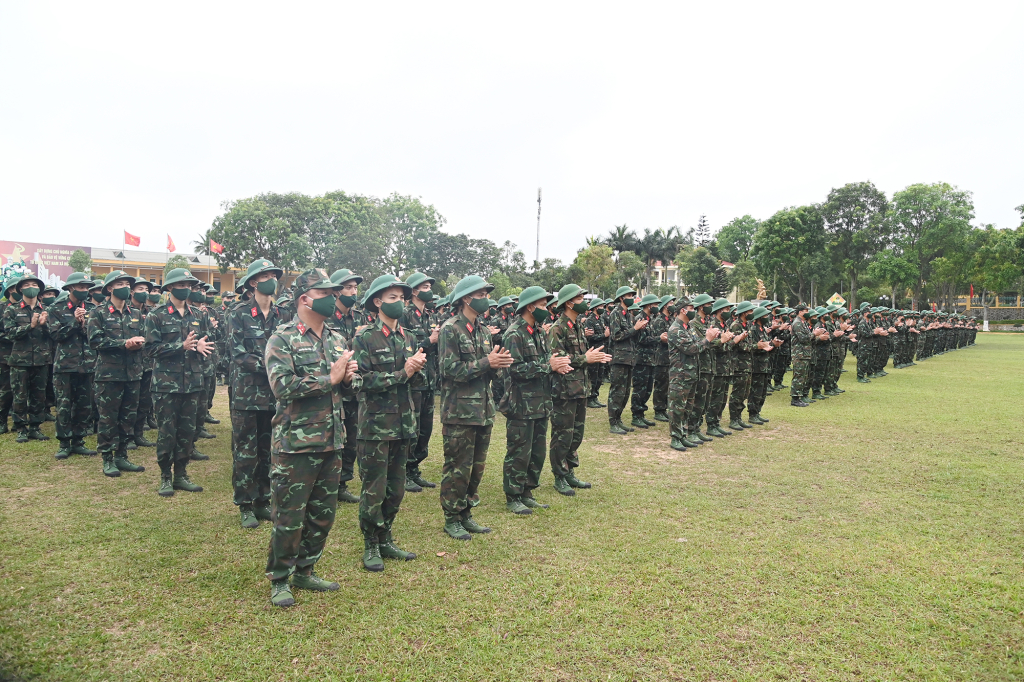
x=802 y=339
x=198 y=298
x=218 y=329
x=116 y=335
x=865 y=344
x=764 y=347
x=661 y=358
x=345 y=320
x=645 y=345
x=569 y=391
x=227 y=302
x=725 y=362
x=467 y=363
x=706 y=361
x=504 y=318
x=684 y=346
x=6 y=395
x=624 y=330
x=73 y=367
x=782 y=331
x=597 y=337
x=390 y=363
x=423 y=331
x=24 y=326
x=310 y=368
x=252 y=403
x=527 y=400
x=141 y=293
x=743 y=348
x=178 y=338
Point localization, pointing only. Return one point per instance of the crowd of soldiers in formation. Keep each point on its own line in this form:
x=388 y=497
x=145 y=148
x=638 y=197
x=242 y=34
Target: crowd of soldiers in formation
x=319 y=380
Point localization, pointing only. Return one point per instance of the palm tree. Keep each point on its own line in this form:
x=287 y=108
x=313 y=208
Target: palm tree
x=621 y=239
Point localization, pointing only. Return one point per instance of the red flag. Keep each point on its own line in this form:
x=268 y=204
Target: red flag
x=170 y=244
x=972 y=291
x=131 y=239
x=215 y=247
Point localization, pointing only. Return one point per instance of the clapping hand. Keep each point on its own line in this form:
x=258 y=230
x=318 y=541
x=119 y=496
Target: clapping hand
x=499 y=358
x=598 y=355
x=415 y=363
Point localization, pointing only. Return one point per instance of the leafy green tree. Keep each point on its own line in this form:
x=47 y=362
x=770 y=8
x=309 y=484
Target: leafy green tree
x=552 y=276
x=80 y=261
x=789 y=246
x=736 y=238
x=272 y=226
x=697 y=268
x=743 y=278
x=596 y=267
x=854 y=217
x=995 y=265
x=621 y=239
x=895 y=271
x=176 y=261
x=926 y=222
x=629 y=270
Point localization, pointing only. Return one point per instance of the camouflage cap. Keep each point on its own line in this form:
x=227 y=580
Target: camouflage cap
x=800 y=306
x=314 y=278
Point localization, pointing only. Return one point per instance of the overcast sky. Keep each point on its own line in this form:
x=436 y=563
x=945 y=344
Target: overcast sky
x=145 y=116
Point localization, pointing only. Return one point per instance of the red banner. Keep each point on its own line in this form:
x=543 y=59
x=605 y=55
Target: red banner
x=48 y=262
x=130 y=239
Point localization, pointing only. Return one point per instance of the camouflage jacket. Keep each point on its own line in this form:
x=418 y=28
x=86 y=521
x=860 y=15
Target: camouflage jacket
x=645 y=342
x=5 y=344
x=213 y=335
x=685 y=347
x=802 y=338
x=310 y=417
x=418 y=325
x=725 y=357
x=29 y=347
x=865 y=332
x=465 y=373
x=595 y=323
x=568 y=338
x=74 y=354
x=175 y=370
x=248 y=331
x=623 y=336
x=662 y=357
x=742 y=351
x=386 y=409
x=528 y=392
x=759 y=358
x=708 y=357
x=108 y=330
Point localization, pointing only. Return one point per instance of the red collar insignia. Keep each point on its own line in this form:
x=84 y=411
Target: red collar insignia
x=337 y=314
x=529 y=329
x=22 y=304
x=170 y=309
x=418 y=313
x=70 y=305
x=111 y=308
x=386 y=330
x=254 y=309
x=301 y=327
x=469 y=327
x=570 y=324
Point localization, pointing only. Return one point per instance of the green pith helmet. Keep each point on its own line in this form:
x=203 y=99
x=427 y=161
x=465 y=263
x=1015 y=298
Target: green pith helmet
x=648 y=299
x=595 y=303
x=261 y=265
x=73 y=279
x=50 y=290
x=97 y=284
x=701 y=299
x=812 y=312
x=418 y=278
x=382 y=284
x=719 y=304
x=504 y=301
x=340 y=277
x=10 y=283
x=633 y=307
x=30 y=278
x=567 y=293
x=758 y=313
x=468 y=285
x=532 y=295
x=622 y=291
x=743 y=307
x=864 y=305
x=115 y=275
x=665 y=300
x=442 y=301
x=782 y=311
x=831 y=308
x=178 y=276
x=491 y=303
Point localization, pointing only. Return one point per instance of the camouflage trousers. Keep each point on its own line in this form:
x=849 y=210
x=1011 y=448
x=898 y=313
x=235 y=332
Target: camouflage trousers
x=51 y=397
x=6 y=395
x=349 y=451
x=28 y=385
x=716 y=398
x=73 y=392
x=205 y=403
x=682 y=391
x=465 y=454
x=526 y=442
x=801 y=380
x=738 y=396
x=382 y=467
x=176 y=428
x=498 y=388
x=779 y=370
x=660 y=393
x=596 y=373
x=303 y=500
x=758 y=392
x=568 y=419
x=145 y=403
x=819 y=368
x=251 y=434
x=618 y=391
x=864 y=356
x=701 y=391
x=117 y=402
x=643 y=384
x=835 y=368
x=423 y=403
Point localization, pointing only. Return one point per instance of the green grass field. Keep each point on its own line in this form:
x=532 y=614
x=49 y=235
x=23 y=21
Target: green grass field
x=874 y=536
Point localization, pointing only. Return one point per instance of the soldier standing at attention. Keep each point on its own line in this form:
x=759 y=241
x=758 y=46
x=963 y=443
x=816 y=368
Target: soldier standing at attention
x=31 y=353
x=344 y=321
x=467 y=364
x=309 y=368
x=527 y=401
x=416 y=322
x=623 y=332
x=645 y=345
x=178 y=339
x=198 y=298
x=802 y=339
x=661 y=358
x=6 y=395
x=597 y=337
x=569 y=391
x=115 y=333
x=760 y=364
x=724 y=367
x=390 y=370
x=73 y=367
x=701 y=322
x=252 y=404
x=141 y=292
x=685 y=346
x=743 y=347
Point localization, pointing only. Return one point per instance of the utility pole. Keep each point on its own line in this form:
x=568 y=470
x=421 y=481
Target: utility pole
x=537 y=259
